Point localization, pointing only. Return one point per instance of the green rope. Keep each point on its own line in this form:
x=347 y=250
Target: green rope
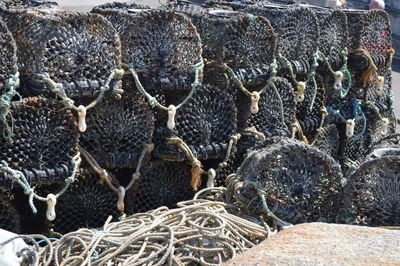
x=11 y=85
x=153 y=102
x=19 y=178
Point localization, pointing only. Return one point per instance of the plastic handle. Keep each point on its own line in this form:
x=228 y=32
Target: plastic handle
x=350 y=128
x=379 y=85
x=121 y=197
x=338 y=81
x=51 y=207
x=255 y=98
x=211 y=178
x=82 y=118
x=301 y=87
x=171 y=117
x=385 y=125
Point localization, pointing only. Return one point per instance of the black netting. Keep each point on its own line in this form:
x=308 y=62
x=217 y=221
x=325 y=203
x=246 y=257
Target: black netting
x=117 y=131
x=301 y=183
x=297 y=29
x=162 y=46
x=26 y=3
x=333 y=35
x=8 y=55
x=78 y=50
x=161 y=183
x=388 y=146
x=205 y=122
x=44 y=141
x=246 y=43
x=326 y=139
x=86 y=204
x=9 y=216
x=372 y=194
x=268 y=120
x=309 y=111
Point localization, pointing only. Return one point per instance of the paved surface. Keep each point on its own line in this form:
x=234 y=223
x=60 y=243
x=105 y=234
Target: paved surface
x=325 y=244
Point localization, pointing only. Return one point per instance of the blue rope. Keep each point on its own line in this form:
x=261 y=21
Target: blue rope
x=357 y=111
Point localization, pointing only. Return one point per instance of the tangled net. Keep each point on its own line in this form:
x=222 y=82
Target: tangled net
x=86 y=204
x=326 y=139
x=77 y=50
x=162 y=46
x=118 y=130
x=198 y=231
x=45 y=137
x=372 y=194
x=289 y=180
x=161 y=183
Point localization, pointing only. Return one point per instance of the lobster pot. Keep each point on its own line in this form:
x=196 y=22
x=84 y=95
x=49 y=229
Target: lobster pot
x=86 y=204
x=44 y=140
x=118 y=131
x=8 y=58
x=161 y=46
x=388 y=146
x=233 y=4
x=371 y=31
x=357 y=147
x=277 y=110
x=300 y=182
x=372 y=194
x=333 y=37
x=26 y=4
x=246 y=43
x=9 y=216
x=326 y=139
x=297 y=29
x=309 y=111
x=161 y=183
x=78 y=50
x=205 y=123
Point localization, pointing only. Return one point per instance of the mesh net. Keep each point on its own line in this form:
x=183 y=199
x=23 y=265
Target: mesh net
x=117 y=131
x=44 y=141
x=372 y=195
x=9 y=216
x=8 y=55
x=301 y=183
x=161 y=183
x=388 y=146
x=326 y=139
x=26 y=3
x=207 y=120
x=86 y=204
x=162 y=46
x=246 y=43
x=268 y=120
x=297 y=29
x=309 y=111
x=78 y=50
x=333 y=35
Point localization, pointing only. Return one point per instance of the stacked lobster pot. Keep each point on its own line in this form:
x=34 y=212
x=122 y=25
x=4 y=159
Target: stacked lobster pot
x=68 y=63
x=162 y=56
x=128 y=108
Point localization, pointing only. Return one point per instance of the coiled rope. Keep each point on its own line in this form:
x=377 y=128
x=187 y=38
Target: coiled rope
x=199 y=231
